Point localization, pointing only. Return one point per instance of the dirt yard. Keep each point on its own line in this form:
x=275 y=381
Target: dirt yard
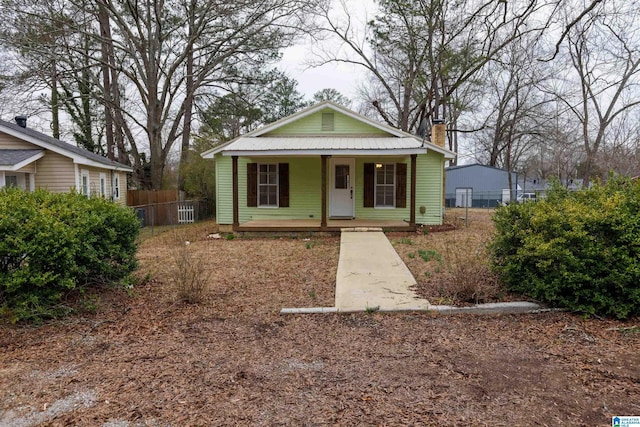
x=145 y=359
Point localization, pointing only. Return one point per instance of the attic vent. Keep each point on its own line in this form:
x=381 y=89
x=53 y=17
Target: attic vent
x=327 y=122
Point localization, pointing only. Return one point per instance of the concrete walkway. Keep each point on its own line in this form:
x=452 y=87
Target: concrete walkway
x=371 y=275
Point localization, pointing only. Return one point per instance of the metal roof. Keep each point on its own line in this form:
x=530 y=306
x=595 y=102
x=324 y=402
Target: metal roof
x=13 y=157
x=45 y=141
x=396 y=143
x=322 y=143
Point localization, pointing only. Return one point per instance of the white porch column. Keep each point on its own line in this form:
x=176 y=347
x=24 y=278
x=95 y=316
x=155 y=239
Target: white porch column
x=76 y=171
x=2 y=181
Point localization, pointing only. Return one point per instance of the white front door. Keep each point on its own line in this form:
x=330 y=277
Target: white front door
x=341 y=190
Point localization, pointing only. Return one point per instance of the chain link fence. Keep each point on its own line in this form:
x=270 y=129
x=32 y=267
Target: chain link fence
x=473 y=199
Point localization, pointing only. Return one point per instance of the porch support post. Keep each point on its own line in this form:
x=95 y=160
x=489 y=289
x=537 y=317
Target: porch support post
x=234 y=180
x=323 y=203
x=412 y=214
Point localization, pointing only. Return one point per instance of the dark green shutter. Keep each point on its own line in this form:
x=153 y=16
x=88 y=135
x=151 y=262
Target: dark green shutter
x=401 y=185
x=369 y=185
x=283 y=185
x=252 y=185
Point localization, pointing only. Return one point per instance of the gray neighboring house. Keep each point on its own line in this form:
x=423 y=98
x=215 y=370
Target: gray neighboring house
x=30 y=159
x=477 y=186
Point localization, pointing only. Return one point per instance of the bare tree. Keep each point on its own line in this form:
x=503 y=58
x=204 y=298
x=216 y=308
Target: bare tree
x=604 y=53
x=519 y=113
x=421 y=53
x=168 y=51
x=151 y=58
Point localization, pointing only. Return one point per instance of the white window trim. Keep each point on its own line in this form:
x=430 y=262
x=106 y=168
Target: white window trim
x=375 y=187
x=85 y=173
x=277 y=205
x=103 y=185
x=20 y=180
x=115 y=187
x=17 y=180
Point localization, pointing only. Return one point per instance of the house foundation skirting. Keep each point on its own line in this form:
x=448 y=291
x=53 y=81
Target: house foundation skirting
x=309 y=225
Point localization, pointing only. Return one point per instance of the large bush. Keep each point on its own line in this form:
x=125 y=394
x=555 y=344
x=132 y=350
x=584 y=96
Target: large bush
x=53 y=244
x=578 y=250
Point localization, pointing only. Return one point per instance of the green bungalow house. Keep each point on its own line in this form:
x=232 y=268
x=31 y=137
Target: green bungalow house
x=325 y=168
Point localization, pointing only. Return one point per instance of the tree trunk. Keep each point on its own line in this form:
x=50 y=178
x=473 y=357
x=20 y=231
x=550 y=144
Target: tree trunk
x=55 y=115
x=105 y=40
x=188 y=102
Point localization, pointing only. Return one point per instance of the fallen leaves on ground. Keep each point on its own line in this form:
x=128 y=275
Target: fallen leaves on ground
x=146 y=359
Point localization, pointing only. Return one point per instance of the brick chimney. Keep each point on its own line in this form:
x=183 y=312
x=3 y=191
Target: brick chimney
x=439 y=138
x=438 y=133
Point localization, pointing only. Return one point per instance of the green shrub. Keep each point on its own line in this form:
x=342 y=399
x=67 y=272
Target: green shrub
x=579 y=250
x=51 y=244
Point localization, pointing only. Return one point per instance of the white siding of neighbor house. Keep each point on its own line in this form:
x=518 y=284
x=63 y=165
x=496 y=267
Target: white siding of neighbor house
x=55 y=173
x=123 y=185
x=94 y=183
x=9 y=142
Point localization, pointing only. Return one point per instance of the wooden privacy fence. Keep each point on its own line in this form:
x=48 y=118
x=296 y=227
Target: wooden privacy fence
x=150 y=197
x=164 y=207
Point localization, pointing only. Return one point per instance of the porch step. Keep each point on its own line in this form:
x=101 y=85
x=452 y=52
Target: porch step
x=352 y=229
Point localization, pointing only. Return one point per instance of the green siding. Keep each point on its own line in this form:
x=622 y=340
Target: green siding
x=311 y=125
x=430 y=168
x=305 y=190
x=224 y=190
x=379 y=213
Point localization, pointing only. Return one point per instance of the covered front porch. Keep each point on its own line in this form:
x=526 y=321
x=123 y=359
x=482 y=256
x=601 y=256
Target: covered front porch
x=332 y=225
x=327 y=219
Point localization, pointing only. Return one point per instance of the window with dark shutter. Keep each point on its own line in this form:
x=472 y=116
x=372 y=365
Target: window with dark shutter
x=252 y=185
x=369 y=185
x=385 y=177
x=283 y=185
x=268 y=185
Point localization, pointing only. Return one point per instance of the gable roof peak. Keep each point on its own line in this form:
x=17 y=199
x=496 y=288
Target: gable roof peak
x=312 y=109
x=45 y=141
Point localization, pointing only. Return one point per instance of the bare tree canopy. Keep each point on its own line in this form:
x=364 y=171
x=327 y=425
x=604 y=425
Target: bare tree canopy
x=550 y=86
x=151 y=59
